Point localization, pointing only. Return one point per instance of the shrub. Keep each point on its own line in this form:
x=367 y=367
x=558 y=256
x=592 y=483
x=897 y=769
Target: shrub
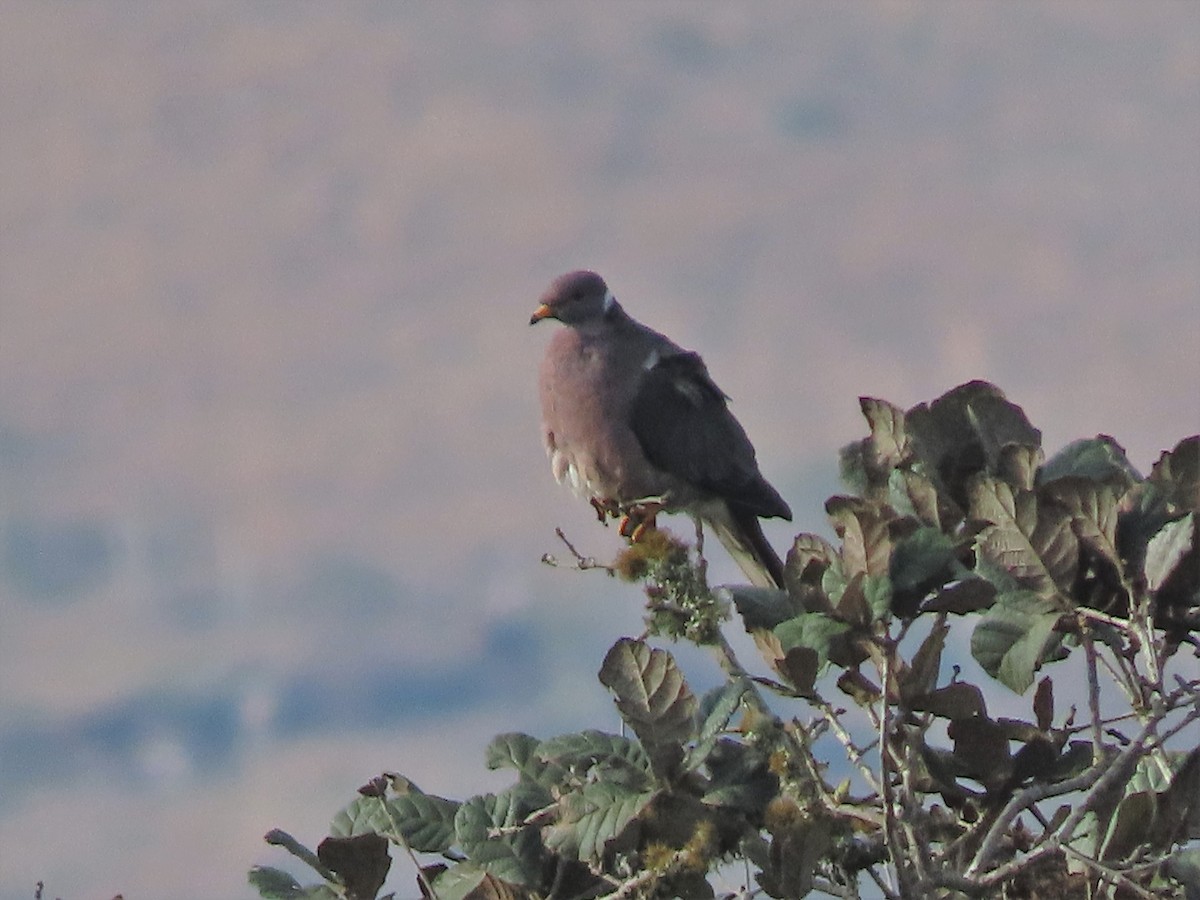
x=860 y=760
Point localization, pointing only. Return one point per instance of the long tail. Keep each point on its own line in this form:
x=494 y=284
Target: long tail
x=741 y=534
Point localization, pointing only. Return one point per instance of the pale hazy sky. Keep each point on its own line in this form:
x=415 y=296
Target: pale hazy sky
x=273 y=494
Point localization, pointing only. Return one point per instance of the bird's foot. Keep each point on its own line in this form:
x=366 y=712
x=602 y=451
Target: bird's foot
x=639 y=518
x=605 y=509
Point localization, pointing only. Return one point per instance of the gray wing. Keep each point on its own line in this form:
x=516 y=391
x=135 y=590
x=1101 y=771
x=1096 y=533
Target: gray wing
x=684 y=426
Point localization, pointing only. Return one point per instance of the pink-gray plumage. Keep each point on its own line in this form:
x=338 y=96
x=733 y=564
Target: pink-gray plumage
x=631 y=419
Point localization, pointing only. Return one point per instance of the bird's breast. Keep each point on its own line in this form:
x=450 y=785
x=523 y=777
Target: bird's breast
x=586 y=400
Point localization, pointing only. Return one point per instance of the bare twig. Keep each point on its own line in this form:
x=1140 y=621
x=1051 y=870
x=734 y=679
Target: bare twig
x=1089 y=650
x=583 y=563
x=913 y=811
x=831 y=803
x=1021 y=801
x=886 y=766
x=1160 y=742
x=833 y=890
x=701 y=560
x=1098 y=780
x=888 y=892
x=857 y=756
x=1107 y=873
x=1141 y=618
x=399 y=838
x=632 y=887
x=1096 y=616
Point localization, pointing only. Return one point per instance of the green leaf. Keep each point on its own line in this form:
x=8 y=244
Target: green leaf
x=522 y=753
x=852 y=606
x=613 y=757
x=1015 y=637
x=459 y=881
x=581 y=750
x=797 y=845
x=423 y=821
x=1168 y=548
x=1094 y=508
x=1128 y=827
x=1184 y=867
x=816 y=631
x=274 y=884
x=981 y=749
x=1177 y=475
x=807 y=560
x=966 y=596
x=921 y=676
x=650 y=691
x=512 y=750
x=863 y=528
x=361 y=862
x=889 y=443
x=1178 y=817
x=1098 y=459
x=914 y=494
x=591 y=817
x=759 y=607
x=1171 y=491
x=512 y=856
x=1034 y=544
x=853 y=470
x=741 y=779
x=800 y=667
x=1018 y=465
x=963 y=432
x=717 y=708
x=867 y=463
x=1043 y=704
x=954 y=701
x=920 y=562
x=877 y=591
x=833 y=585
x=279 y=838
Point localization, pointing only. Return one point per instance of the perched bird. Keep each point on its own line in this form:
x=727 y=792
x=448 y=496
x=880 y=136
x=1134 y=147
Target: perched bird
x=633 y=423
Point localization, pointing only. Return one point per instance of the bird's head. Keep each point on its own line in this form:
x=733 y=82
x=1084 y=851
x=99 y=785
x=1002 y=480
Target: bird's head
x=574 y=299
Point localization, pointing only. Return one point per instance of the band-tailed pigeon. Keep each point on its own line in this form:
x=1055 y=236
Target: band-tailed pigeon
x=633 y=423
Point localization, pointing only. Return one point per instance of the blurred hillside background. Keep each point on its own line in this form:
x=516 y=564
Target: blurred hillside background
x=272 y=497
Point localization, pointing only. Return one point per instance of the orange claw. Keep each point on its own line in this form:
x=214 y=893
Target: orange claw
x=638 y=519
x=604 y=508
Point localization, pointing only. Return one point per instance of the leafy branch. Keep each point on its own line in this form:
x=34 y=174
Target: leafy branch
x=860 y=755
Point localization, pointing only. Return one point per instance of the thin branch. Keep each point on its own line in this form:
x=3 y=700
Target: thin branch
x=912 y=807
x=1096 y=616
x=583 y=563
x=833 y=890
x=701 y=560
x=886 y=765
x=732 y=666
x=1089 y=650
x=831 y=803
x=1175 y=729
x=1111 y=720
x=1140 y=618
x=1118 y=770
x=399 y=838
x=1021 y=801
x=857 y=756
x=1119 y=672
x=1109 y=874
x=888 y=892
x=632 y=887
